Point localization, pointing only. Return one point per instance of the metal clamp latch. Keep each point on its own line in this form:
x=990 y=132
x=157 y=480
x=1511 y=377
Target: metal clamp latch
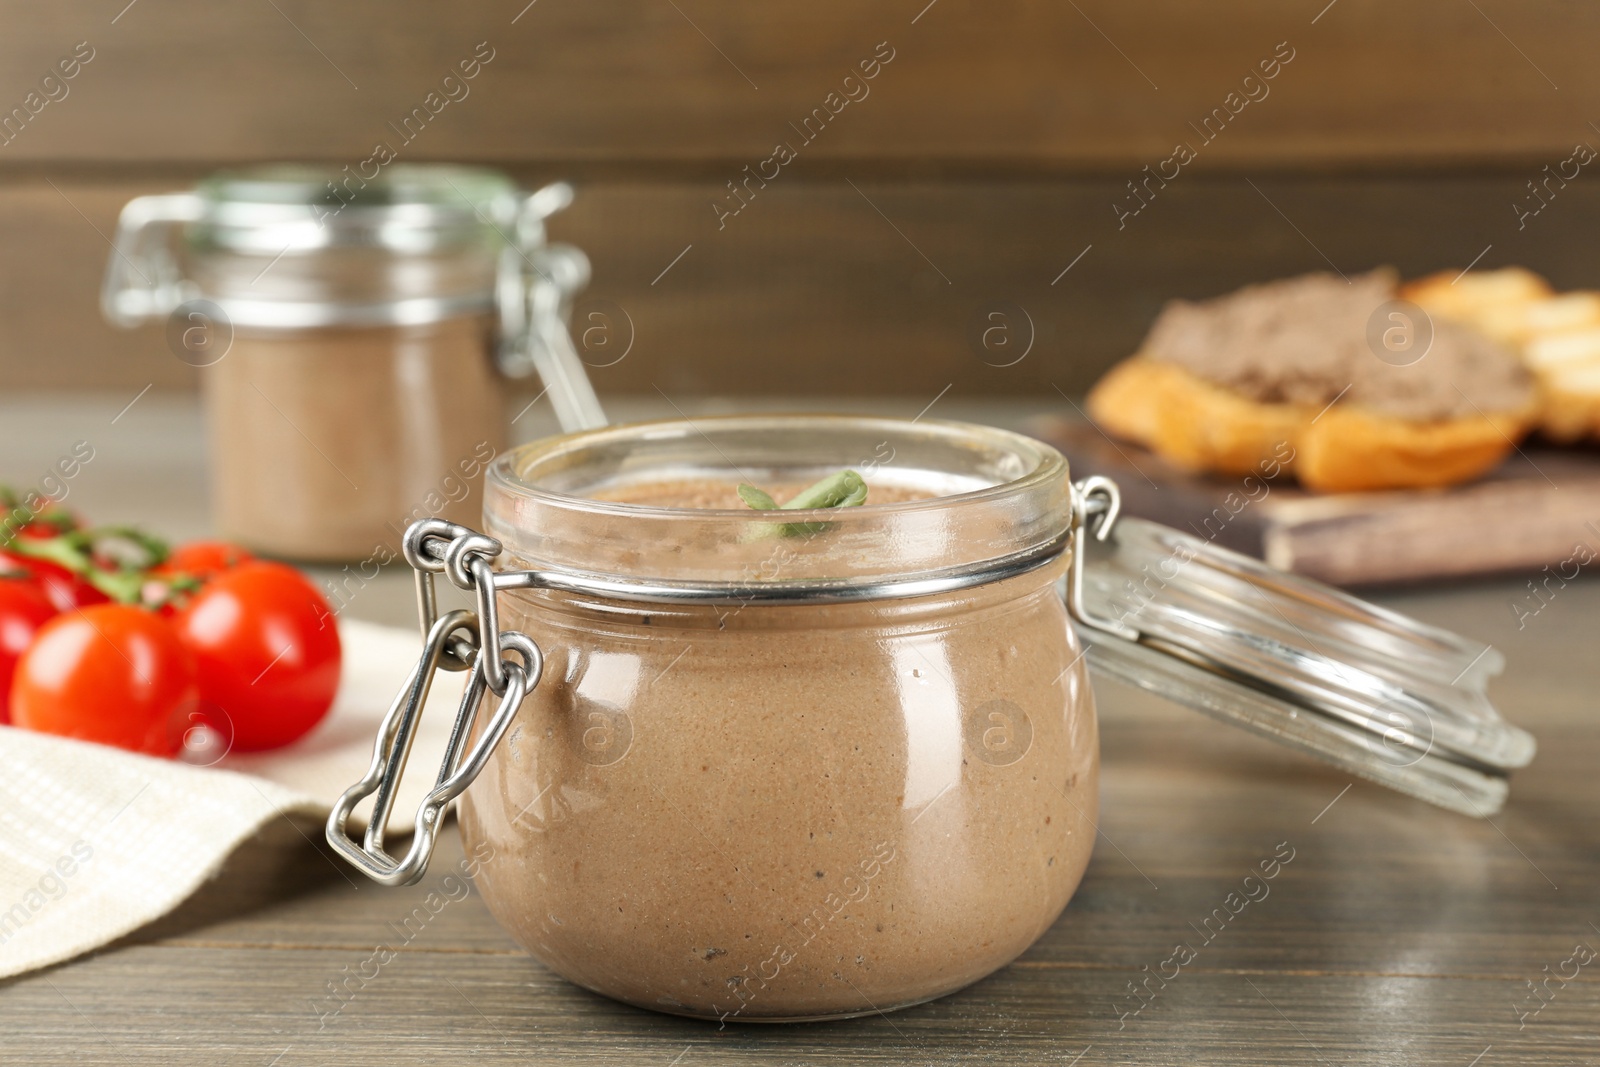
x=1094 y=498
x=457 y=640
x=143 y=247
x=536 y=283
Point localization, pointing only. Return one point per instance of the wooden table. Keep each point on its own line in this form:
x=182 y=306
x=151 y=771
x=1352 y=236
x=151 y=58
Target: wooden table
x=1398 y=934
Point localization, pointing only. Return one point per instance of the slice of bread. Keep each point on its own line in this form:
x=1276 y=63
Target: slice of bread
x=1200 y=426
x=1557 y=335
x=1348 y=449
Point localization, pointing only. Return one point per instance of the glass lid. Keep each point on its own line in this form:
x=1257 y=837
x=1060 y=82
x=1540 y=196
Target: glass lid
x=402 y=207
x=1372 y=691
x=433 y=184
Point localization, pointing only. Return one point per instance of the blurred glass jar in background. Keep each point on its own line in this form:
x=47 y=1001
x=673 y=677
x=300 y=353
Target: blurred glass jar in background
x=352 y=338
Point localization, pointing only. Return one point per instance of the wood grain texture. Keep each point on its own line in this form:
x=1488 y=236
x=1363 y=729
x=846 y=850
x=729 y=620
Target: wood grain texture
x=820 y=286
x=1095 y=84
x=1535 y=510
x=1399 y=934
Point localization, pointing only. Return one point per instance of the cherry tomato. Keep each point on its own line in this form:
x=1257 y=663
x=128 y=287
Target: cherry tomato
x=204 y=559
x=267 y=651
x=66 y=589
x=110 y=673
x=39 y=521
x=24 y=608
x=48 y=525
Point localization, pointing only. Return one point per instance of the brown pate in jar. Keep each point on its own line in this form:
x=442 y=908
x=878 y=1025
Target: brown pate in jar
x=765 y=811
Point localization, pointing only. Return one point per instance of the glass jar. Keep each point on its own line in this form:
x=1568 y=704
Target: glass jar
x=352 y=336
x=750 y=768
x=760 y=810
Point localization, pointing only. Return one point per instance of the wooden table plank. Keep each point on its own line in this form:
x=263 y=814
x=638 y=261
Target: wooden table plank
x=1033 y=82
x=1002 y=141
x=249 y=1006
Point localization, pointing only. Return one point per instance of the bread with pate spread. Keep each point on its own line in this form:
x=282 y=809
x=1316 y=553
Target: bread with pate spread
x=1557 y=334
x=1287 y=373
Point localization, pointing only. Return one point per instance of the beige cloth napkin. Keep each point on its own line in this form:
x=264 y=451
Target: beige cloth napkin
x=95 y=842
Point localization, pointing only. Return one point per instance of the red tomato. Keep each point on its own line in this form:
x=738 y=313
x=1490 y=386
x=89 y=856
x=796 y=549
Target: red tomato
x=52 y=520
x=65 y=589
x=204 y=559
x=109 y=673
x=23 y=609
x=44 y=528
x=267 y=651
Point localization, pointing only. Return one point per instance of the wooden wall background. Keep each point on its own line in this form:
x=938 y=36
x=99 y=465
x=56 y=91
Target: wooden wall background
x=985 y=160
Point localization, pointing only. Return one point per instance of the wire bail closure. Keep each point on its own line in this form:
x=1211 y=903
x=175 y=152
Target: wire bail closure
x=1095 y=499
x=457 y=640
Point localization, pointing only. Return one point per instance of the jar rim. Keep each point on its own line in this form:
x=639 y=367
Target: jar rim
x=989 y=498
x=507 y=471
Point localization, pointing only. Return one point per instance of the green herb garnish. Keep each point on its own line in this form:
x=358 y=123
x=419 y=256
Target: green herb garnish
x=846 y=489
x=756 y=498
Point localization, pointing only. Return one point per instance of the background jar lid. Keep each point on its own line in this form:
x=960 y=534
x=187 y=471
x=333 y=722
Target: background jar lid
x=406 y=209
x=304 y=246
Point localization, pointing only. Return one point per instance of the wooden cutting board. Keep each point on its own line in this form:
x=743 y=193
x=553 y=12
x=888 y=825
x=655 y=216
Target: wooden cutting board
x=1538 y=513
